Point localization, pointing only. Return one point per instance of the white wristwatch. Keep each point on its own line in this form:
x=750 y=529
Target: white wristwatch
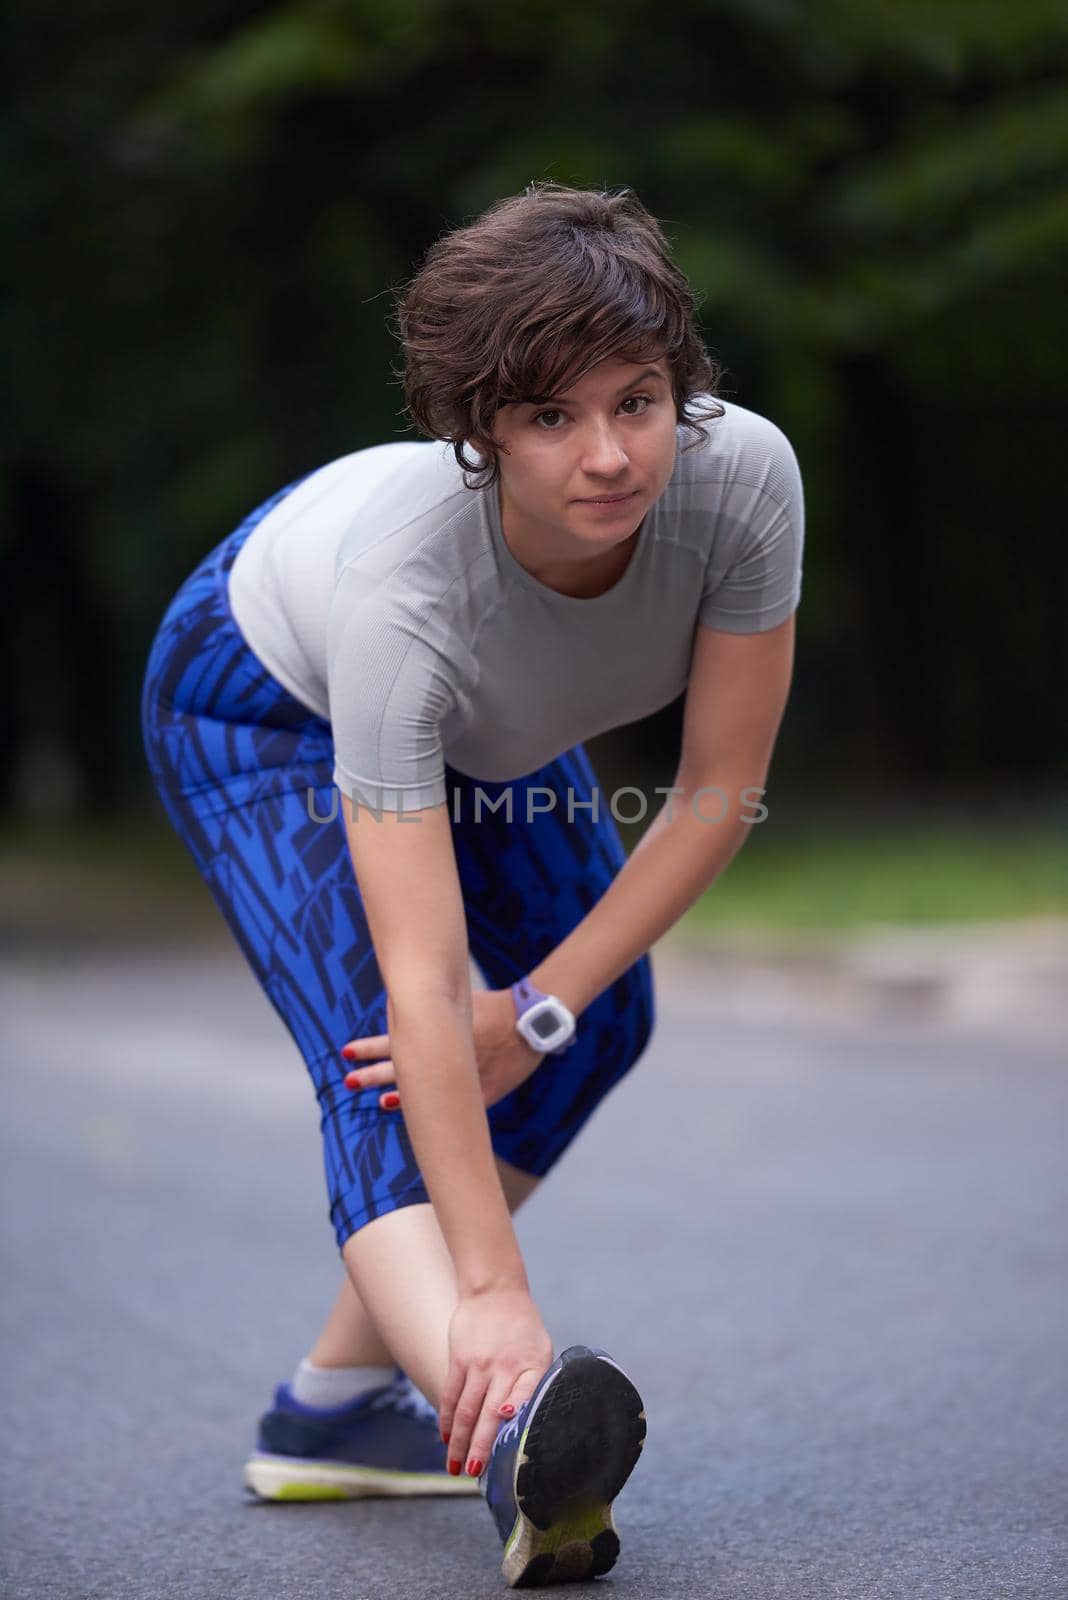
x=543 y=1020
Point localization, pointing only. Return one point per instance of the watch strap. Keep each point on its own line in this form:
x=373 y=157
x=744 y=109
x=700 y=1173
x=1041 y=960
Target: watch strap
x=525 y=994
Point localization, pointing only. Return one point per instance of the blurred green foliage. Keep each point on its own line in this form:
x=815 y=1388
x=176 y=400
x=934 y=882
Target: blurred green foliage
x=838 y=879
x=208 y=207
x=134 y=881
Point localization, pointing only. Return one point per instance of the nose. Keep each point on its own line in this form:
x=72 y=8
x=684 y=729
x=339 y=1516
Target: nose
x=603 y=455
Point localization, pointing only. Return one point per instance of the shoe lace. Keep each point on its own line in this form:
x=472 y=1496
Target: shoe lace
x=510 y=1428
x=505 y=1434
x=402 y=1395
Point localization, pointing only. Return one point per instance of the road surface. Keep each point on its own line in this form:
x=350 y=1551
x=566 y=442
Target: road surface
x=831 y=1256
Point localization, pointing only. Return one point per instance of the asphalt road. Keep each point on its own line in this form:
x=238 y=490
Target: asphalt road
x=831 y=1257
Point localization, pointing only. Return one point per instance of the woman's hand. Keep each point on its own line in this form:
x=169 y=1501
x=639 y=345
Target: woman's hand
x=503 y=1055
x=499 y=1350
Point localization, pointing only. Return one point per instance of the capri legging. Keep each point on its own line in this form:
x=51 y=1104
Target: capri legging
x=234 y=756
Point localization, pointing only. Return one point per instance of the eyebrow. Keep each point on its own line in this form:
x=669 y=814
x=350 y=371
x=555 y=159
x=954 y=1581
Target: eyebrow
x=649 y=372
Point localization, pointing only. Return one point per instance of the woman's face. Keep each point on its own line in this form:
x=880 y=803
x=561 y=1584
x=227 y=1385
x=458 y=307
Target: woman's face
x=612 y=433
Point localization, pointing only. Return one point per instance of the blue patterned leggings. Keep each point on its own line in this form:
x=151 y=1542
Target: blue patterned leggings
x=234 y=756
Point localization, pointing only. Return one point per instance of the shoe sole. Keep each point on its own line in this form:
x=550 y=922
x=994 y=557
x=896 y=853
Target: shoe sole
x=575 y=1455
x=283 y=1478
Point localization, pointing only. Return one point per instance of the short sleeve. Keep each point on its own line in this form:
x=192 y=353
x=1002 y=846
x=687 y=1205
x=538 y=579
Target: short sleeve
x=390 y=684
x=764 y=507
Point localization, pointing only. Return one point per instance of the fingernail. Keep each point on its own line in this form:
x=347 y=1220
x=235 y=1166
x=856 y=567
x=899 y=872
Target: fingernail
x=346 y=1052
x=445 y=1438
x=454 y=1468
x=508 y=1411
x=391 y=1101
x=352 y=1080
x=474 y=1467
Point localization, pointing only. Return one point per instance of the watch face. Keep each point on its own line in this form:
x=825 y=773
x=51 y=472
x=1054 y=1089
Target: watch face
x=545 y=1025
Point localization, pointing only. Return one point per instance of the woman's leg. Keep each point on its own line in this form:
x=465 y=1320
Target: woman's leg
x=526 y=882
x=244 y=772
x=403 y=1282
x=350 y=1336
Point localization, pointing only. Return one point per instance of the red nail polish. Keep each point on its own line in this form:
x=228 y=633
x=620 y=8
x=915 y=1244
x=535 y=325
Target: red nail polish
x=508 y=1411
x=391 y=1101
x=445 y=1438
x=352 y=1080
x=454 y=1468
x=474 y=1467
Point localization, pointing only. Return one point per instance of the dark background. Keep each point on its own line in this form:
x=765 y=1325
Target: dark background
x=209 y=205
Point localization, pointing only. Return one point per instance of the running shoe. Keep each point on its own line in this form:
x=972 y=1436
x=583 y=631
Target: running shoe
x=384 y=1442
x=558 y=1464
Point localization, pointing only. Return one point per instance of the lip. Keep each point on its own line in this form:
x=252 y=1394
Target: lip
x=608 y=500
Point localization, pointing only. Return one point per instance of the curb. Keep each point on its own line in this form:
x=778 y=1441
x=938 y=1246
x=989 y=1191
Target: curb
x=998 y=975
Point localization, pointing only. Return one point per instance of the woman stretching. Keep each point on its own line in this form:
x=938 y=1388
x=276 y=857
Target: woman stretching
x=363 y=712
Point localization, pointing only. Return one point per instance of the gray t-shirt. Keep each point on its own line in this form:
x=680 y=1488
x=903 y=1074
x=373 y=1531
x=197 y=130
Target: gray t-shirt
x=382 y=594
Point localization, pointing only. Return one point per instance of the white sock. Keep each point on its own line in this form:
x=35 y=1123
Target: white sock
x=327 y=1387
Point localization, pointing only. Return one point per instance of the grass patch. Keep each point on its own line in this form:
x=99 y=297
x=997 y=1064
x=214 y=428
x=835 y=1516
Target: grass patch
x=135 y=879
x=107 y=882
x=834 y=880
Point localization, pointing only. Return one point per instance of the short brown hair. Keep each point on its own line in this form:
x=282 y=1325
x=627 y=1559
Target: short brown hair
x=519 y=304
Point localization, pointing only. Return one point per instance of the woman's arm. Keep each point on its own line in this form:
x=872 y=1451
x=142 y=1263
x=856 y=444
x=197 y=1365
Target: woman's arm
x=405 y=865
x=735 y=698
